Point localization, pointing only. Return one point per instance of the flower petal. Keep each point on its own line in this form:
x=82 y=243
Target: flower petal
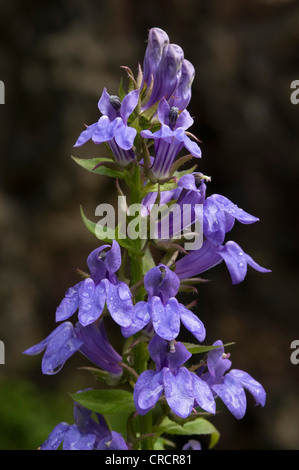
x=114 y=441
x=140 y=318
x=232 y=393
x=198 y=261
x=178 y=357
x=184 y=120
x=192 y=146
x=105 y=130
x=236 y=261
x=119 y=302
x=76 y=440
x=217 y=364
x=56 y=437
x=106 y=107
x=179 y=391
x=147 y=391
x=69 y=303
x=124 y=135
x=192 y=323
x=235 y=211
x=129 y=104
x=166 y=319
x=214 y=222
x=250 y=384
x=62 y=345
x=92 y=301
x=86 y=135
x=203 y=394
x=160 y=281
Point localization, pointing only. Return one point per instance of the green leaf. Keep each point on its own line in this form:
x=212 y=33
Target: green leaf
x=106 y=167
x=198 y=426
x=198 y=349
x=107 y=402
x=107 y=234
x=147 y=261
x=91 y=226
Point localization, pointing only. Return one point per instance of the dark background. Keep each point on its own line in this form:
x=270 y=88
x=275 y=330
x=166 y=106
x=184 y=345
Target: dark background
x=55 y=59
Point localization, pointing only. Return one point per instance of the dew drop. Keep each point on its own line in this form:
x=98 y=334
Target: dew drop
x=124 y=293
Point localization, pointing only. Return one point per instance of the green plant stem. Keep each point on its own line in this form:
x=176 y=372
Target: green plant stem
x=140 y=350
x=136 y=256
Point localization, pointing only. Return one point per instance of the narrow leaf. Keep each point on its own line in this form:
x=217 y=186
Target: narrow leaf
x=198 y=426
x=198 y=349
x=107 y=402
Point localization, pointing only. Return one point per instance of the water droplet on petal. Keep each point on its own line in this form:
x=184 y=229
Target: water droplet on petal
x=123 y=292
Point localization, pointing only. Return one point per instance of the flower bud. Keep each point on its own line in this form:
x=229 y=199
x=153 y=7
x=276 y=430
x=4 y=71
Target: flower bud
x=183 y=92
x=157 y=39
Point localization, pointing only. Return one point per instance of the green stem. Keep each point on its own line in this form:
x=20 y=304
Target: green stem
x=136 y=257
x=140 y=350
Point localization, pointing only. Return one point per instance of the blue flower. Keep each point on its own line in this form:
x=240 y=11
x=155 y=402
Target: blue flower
x=230 y=386
x=66 y=339
x=219 y=215
x=85 y=434
x=166 y=72
x=157 y=39
x=112 y=126
x=170 y=139
x=90 y=295
x=209 y=255
x=182 y=389
x=162 y=310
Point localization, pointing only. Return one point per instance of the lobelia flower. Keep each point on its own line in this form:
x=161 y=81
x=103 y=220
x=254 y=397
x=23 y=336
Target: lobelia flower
x=182 y=95
x=192 y=444
x=181 y=388
x=112 y=126
x=170 y=139
x=167 y=74
x=219 y=215
x=67 y=339
x=210 y=255
x=89 y=296
x=230 y=386
x=85 y=434
x=175 y=219
x=162 y=310
x=157 y=39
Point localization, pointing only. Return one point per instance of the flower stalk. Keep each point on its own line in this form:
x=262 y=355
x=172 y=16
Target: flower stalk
x=153 y=377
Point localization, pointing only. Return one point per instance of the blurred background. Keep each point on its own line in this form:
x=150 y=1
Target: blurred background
x=55 y=59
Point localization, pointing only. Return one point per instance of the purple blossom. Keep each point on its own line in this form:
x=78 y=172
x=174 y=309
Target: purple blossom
x=90 y=295
x=86 y=434
x=166 y=75
x=219 y=215
x=162 y=310
x=209 y=255
x=182 y=389
x=112 y=127
x=170 y=138
x=66 y=339
x=175 y=218
x=182 y=95
x=157 y=39
x=230 y=386
x=192 y=444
